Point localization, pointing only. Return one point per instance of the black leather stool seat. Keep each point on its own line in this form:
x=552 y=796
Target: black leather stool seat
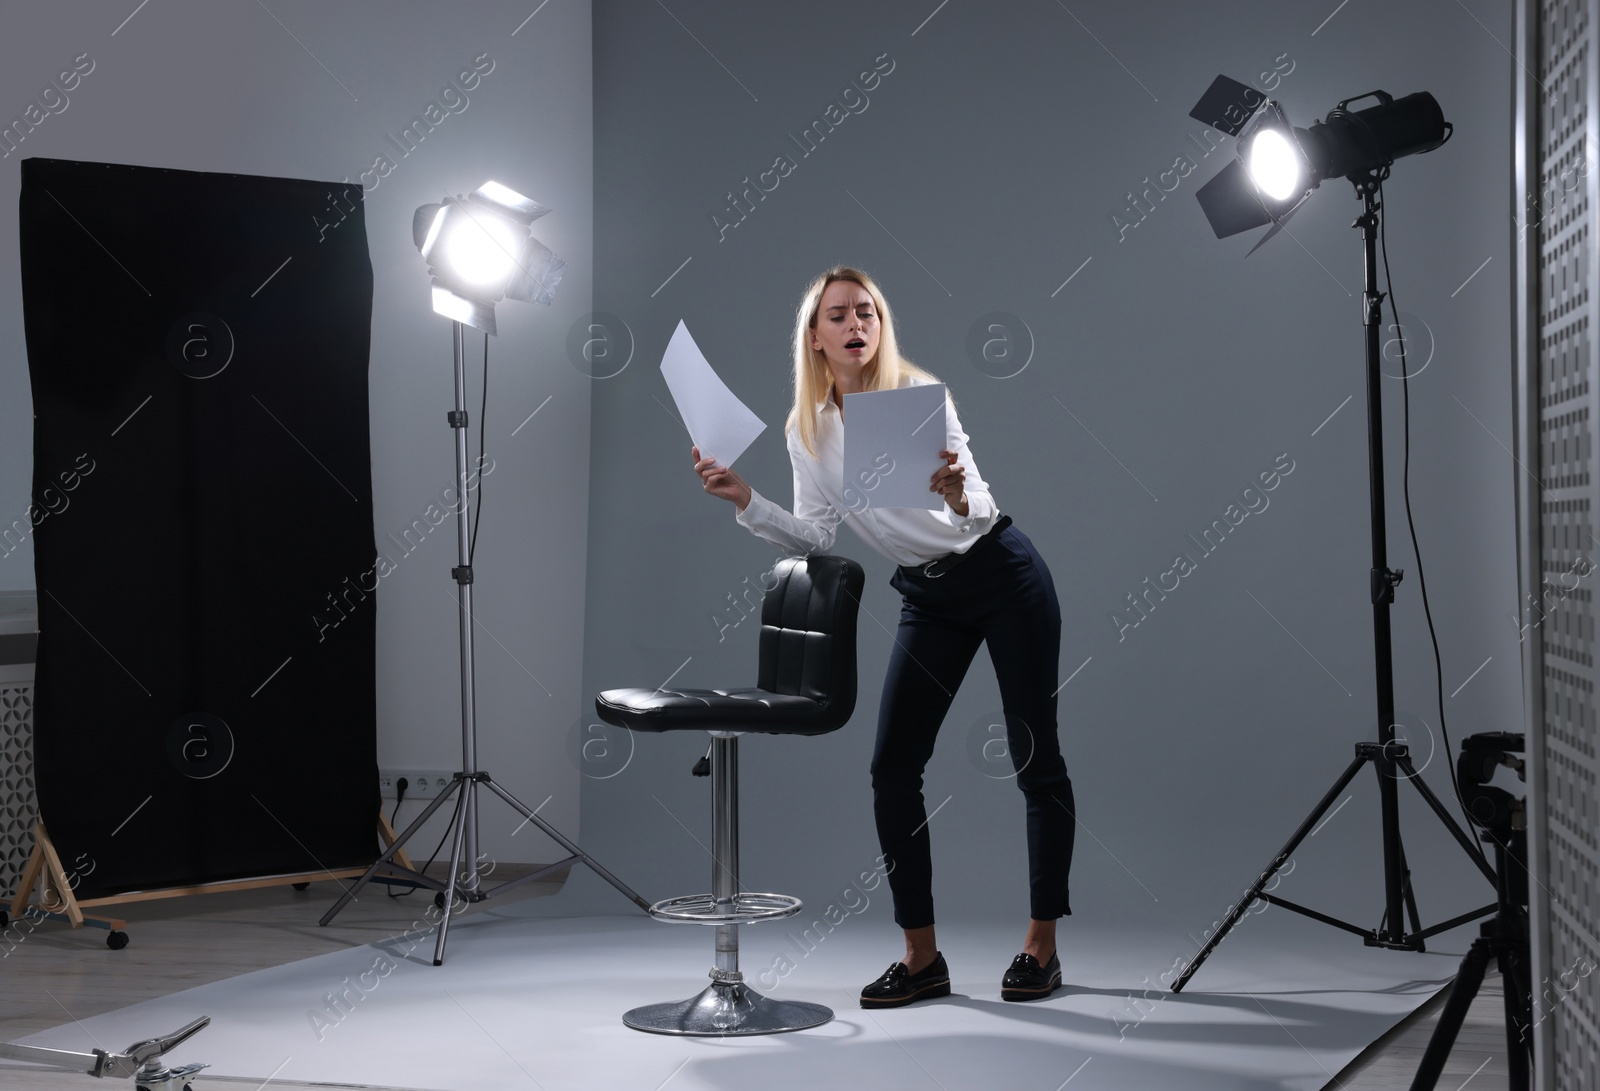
x=806 y=682
x=713 y=709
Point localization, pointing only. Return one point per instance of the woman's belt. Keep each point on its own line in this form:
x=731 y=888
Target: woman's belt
x=940 y=565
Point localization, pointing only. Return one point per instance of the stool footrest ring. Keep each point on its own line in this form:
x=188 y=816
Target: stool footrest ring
x=747 y=908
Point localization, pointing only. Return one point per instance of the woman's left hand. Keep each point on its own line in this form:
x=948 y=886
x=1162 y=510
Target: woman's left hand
x=951 y=481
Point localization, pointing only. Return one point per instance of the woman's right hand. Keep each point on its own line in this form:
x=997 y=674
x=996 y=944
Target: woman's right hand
x=721 y=481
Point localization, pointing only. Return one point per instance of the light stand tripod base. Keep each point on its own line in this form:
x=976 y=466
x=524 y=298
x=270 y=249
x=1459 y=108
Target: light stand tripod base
x=464 y=882
x=726 y=1010
x=1391 y=935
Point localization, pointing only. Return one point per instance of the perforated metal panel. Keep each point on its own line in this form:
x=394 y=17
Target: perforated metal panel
x=1560 y=173
x=18 y=808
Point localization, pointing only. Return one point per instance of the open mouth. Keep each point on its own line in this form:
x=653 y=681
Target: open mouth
x=855 y=343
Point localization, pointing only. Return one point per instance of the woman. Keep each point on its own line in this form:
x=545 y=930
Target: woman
x=966 y=577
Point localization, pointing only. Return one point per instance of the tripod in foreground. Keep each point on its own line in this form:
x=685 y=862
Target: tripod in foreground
x=1503 y=937
x=141 y=1061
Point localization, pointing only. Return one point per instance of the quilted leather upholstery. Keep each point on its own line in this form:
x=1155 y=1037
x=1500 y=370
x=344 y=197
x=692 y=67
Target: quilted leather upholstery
x=806 y=684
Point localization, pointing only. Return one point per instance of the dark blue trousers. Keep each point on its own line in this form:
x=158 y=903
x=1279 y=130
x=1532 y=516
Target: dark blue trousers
x=1001 y=595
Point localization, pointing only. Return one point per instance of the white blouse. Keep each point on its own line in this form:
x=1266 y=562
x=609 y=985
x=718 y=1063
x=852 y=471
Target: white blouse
x=906 y=536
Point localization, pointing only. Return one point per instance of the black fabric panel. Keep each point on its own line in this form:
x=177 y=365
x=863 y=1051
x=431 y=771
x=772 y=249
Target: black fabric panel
x=192 y=527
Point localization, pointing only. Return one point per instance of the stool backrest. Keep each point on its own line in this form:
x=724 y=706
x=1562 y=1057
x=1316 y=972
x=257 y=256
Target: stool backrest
x=808 y=633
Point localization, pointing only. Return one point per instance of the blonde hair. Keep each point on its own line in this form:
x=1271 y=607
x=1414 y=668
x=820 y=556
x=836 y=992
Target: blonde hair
x=885 y=371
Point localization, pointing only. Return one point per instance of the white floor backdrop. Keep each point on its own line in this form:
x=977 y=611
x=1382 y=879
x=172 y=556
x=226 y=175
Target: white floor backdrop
x=530 y=999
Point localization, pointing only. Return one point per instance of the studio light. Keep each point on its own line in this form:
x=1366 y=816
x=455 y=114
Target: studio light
x=1274 y=164
x=481 y=250
x=1278 y=165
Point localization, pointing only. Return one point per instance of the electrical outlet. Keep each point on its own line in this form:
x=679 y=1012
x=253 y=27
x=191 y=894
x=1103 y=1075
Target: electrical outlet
x=420 y=783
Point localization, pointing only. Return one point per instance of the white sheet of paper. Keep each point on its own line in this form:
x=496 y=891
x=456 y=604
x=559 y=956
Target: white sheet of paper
x=892 y=440
x=721 y=425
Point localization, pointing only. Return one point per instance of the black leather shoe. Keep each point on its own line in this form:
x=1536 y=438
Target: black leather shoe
x=1027 y=980
x=899 y=987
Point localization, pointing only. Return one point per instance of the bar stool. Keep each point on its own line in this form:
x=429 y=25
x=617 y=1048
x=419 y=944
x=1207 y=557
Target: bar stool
x=806 y=685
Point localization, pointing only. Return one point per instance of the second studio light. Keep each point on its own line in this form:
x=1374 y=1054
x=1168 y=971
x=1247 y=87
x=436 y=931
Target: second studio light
x=1276 y=168
x=481 y=250
x=1279 y=165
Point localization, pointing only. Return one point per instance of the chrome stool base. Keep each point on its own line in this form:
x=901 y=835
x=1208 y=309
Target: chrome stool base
x=726 y=1010
x=728 y=1007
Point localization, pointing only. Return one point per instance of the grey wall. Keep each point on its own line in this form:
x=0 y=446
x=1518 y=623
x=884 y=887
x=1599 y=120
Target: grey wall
x=984 y=172
x=1165 y=376
x=299 y=89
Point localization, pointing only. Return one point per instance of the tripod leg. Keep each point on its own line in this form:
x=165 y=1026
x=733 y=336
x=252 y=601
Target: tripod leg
x=1519 y=1038
x=1468 y=979
x=388 y=855
x=1445 y=816
x=463 y=808
x=1243 y=904
x=571 y=847
x=1411 y=899
x=1517 y=981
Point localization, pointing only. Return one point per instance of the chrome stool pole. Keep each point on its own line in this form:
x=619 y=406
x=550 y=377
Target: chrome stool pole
x=728 y=1006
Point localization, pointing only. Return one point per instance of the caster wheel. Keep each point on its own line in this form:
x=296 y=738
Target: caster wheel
x=438 y=900
x=116 y=940
x=302 y=886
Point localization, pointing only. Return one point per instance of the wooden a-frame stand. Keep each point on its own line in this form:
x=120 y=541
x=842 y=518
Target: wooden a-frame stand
x=45 y=877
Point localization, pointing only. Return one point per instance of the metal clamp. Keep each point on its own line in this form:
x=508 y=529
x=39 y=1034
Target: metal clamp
x=140 y=1061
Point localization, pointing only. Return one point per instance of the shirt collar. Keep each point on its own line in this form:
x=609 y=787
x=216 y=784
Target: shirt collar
x=827 y=398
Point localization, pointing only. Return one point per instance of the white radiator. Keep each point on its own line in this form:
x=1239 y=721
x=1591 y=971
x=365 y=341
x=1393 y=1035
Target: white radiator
x=18 y=804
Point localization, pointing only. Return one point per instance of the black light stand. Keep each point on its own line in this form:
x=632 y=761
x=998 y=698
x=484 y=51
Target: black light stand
x=1504 y=937
x=1388 y=755
x=464 y=882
